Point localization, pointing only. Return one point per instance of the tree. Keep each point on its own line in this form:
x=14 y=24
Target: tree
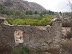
x=2 y=7
x=29 y=12
x=18 y=22
x=50 y=12
x=35 y=12
x=60 y=13
x=45 y=21
x=44 y=12
x=41 y=14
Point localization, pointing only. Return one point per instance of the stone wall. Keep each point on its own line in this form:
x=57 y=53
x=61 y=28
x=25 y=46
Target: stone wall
x=46 y=40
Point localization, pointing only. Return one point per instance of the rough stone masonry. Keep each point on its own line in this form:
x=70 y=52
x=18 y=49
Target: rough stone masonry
x=47 y=40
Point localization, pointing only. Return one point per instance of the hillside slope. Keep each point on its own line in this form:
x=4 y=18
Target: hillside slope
x=22 y=5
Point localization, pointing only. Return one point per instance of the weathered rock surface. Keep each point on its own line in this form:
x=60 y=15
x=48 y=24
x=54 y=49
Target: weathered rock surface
x=22 y=5
x=46 y=40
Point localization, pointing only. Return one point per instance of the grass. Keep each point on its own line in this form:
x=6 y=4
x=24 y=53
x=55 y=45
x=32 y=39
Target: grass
x=20 y=50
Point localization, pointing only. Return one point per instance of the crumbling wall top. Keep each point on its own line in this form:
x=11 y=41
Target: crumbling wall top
x=56 y=19
x=2 y=19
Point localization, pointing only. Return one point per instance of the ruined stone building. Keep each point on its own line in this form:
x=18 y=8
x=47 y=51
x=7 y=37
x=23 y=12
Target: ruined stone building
x=46 y=40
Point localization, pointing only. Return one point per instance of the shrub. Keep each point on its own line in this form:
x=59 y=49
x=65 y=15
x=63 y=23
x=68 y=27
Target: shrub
x=41 y=14
x=35 y=12
x=2 y=7
x=9 y=19
x=50 y=12
x=20 y=50
x=17 y=13
x=29 y=12
x=34 y=22
x=3 y=10
x=18 y=22
x=45 y=21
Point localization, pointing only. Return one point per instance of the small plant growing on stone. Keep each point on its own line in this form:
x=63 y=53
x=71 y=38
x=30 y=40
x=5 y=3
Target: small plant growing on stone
x=20 y=50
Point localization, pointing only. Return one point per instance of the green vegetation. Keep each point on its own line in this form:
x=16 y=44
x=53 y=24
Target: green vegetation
x=34 y=22
x=35 y=12
x=25 y=50
x=19 y=18
x=20 y=50
x=27 y=17
x=3 y=9
x=29 y=12
x=41 y=14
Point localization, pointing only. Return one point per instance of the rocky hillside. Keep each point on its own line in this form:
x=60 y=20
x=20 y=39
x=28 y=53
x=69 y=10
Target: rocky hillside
x=22 y=5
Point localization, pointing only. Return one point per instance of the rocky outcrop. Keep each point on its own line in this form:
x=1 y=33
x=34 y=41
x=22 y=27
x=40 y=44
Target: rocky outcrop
x=22 y=5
